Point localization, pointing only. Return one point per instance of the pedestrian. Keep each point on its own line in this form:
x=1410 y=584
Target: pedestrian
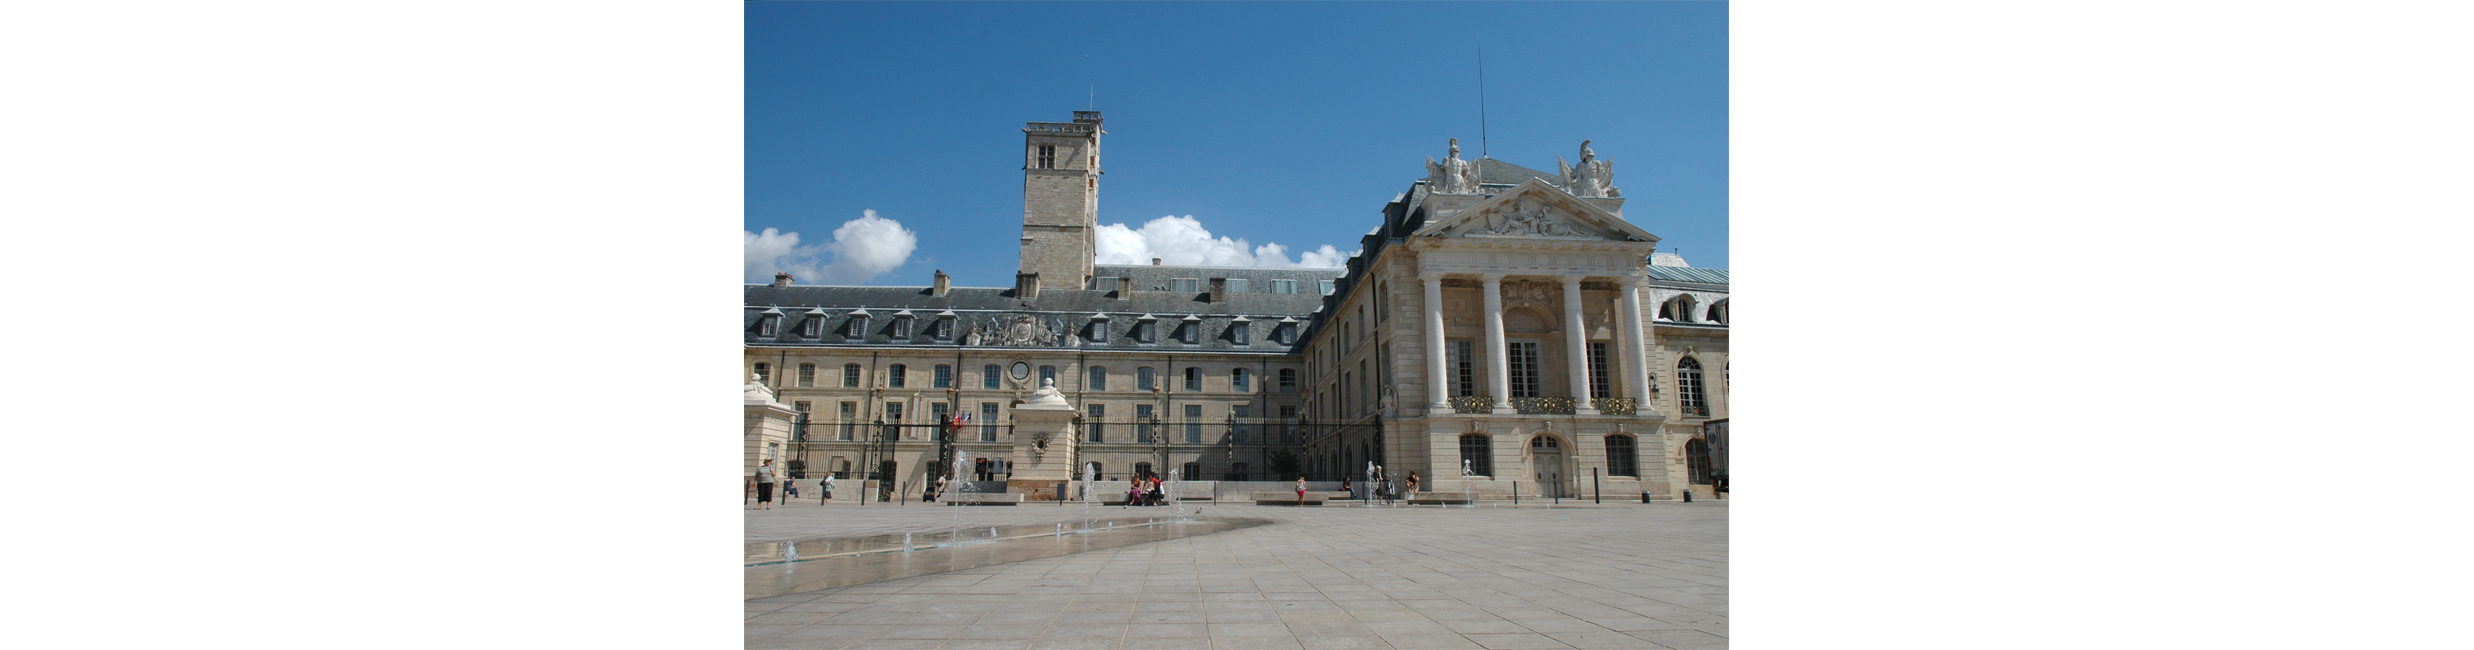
x=790 y=490
x=936 y=490
x=827 y=487
x=1346 y=490
x=764 y=485
x=1411 y=483
x=1301 y=490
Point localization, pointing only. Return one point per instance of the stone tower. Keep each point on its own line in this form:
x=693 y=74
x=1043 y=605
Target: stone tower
x=1060 y=201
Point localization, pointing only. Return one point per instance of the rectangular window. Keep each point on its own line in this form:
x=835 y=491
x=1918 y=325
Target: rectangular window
x=987 y=377
x=1326 y=287
x=811 y=326
x=1193 y=424
x=940 y=413
x=1237 y=428
x=987 y=421
x=1464 y=369
x=799 y=430
x=1288 y=380
x=1192 y=470
x=1240 y=381
x=850 y=422
x=1284 y=286
x=1598 y=386
x=1047 y=375
x=1288 y=424
x=850 y=375
x=766 y=329
x=893 y=411
x=944 y=329
x=1522 y=364
x=764 y=374
x=901 y=329
x=1237 y=285
x=1193 y=332
x=1620 y=457
x=944 y=376
x=1047 y=156
x=1099 y=378
x=896 y=375
x=1147 y=331
x=1143 y=379
x=1175 y=285
x=1474 y=450
x=1099 y=331
x=1237 y=333
x=807 y=375
x=1142 y=423
x=1193 y=380
x=1099 y=423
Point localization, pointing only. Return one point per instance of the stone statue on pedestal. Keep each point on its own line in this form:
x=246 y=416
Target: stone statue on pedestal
x=1592 y=178
x=1453 y=175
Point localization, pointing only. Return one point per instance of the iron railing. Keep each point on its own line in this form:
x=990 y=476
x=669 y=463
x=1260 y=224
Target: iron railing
x=1543 y=405
x=1616 y=405
x=1473 y=404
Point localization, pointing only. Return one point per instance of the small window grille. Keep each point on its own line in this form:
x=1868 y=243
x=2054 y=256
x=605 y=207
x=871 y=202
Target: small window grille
x=1047 y=156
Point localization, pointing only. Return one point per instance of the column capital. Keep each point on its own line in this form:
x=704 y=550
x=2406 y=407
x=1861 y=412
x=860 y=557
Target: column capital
x=1571 y=278
x=1629 y=281
x=1430 y=276
x=1492 y=278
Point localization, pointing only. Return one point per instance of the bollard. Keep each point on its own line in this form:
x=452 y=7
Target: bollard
x=1644 y=496
x=1687 y=495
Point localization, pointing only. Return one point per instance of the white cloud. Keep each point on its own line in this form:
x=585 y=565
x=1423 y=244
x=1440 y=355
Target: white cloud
x=1182 y=241
x=861 y=249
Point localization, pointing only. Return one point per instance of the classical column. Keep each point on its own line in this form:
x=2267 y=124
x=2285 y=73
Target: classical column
x=1438 y=384
x=1498 y=372
x=1636 y=351
x=1576 y=346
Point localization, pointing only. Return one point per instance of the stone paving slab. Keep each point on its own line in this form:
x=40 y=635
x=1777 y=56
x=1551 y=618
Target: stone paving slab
x=1610 y=576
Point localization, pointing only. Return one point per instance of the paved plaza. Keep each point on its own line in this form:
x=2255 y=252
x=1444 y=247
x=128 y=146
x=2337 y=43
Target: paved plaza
x=1581 y=576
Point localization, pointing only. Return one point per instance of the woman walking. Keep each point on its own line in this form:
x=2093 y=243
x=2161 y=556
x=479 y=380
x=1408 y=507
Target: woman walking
x=764 y=485
x=1301 y=490
x=827 y=487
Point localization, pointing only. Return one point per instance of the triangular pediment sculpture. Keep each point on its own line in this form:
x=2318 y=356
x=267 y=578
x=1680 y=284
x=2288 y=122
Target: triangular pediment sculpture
x=1538 y=210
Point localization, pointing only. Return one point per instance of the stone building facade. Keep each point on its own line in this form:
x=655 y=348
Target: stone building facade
x=1502 y=329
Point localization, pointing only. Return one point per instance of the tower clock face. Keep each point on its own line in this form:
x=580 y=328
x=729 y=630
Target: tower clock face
x=1021 y=371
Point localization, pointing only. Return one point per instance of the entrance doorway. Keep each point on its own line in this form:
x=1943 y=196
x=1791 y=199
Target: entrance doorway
x=1546 y=456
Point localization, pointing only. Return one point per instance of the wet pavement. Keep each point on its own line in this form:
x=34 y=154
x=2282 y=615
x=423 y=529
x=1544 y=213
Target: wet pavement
x=1580 y=576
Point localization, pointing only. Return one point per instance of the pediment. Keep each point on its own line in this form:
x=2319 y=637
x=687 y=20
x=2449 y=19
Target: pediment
x=1535 y=210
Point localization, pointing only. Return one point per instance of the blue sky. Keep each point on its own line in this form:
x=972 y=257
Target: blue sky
x=1286 y=123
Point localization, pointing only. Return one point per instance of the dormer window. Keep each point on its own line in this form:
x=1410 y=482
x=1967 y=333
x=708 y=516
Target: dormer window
x=1185 y=285
x=1193 y=329
x=1146 y=329
x=858 y=324
x=1237 y=331
x=902 y=326
x=1236 y=285
x=814 y=324
x=944 y=325
x=1099 y=327
x=770 y=322
x=1327 y=287
x=1286 y=332
x=1284 y=286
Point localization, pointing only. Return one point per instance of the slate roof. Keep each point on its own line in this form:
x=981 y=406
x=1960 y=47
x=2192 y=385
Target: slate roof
x=1492 y=171
x=1688 y=274
x=1071 y=308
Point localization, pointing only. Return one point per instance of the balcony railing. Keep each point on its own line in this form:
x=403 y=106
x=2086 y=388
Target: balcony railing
x=1543 y=405
x=1615 y=406
x=1473 y=404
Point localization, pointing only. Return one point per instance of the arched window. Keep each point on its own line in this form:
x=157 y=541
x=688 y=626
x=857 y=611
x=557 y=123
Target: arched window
x=1696 y=461
x=1621 y=458
x=1546 y=442
x=1718 y=312
x=1099 y=378
x=1688 y=387
x=1477 y=449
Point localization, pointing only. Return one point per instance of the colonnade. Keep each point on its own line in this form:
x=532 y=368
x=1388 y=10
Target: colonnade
x=1633 y=358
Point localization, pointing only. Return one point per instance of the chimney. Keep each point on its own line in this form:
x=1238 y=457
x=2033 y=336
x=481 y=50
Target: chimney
x=943 y=283
x=781 y=279
x=1125 y=288
x=1155 y=261
x=1219 y=289
x=1026 y=286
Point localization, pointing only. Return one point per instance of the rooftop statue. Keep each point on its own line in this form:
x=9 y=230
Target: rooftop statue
x=1592 y=178
x=1453 y=175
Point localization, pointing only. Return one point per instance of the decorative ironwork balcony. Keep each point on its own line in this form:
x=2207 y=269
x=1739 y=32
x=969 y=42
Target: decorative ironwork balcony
x=1616 y=406
x=1699 y=410
x=1544 y=405
x=1473 y=404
